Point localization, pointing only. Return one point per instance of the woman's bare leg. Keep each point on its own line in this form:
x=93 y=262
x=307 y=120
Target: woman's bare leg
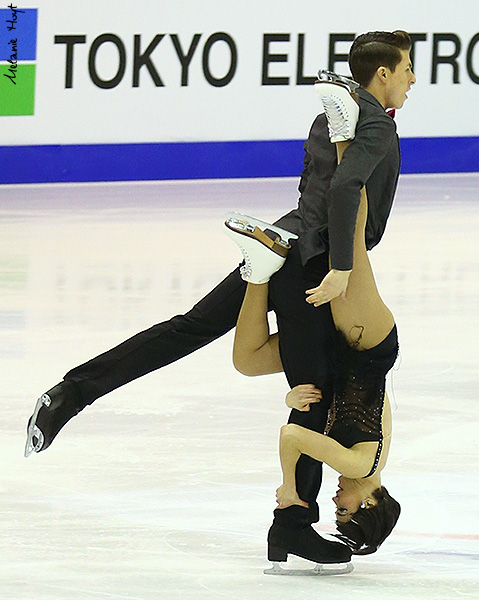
x=255 y=351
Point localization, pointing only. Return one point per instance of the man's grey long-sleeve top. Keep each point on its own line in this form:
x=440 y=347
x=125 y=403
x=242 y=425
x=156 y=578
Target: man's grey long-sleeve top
x=330 y=193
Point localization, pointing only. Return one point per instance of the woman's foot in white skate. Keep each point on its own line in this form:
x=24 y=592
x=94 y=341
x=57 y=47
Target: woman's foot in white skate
x=263 y=255
x=340 y=104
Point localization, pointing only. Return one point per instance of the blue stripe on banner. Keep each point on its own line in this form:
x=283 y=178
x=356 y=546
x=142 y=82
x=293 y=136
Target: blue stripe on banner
x=207 y=160
x=440 y=155
x=126 y=162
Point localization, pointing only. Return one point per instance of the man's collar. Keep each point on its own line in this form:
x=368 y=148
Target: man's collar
x=365 y=95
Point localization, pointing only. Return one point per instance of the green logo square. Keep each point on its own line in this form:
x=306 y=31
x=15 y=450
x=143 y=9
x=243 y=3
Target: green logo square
x=17 y=89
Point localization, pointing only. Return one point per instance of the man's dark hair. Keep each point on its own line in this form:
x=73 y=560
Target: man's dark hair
x=376 y=49
x=368 y=528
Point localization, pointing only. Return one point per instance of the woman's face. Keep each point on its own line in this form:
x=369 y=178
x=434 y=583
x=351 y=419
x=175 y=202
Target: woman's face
x=350 y=496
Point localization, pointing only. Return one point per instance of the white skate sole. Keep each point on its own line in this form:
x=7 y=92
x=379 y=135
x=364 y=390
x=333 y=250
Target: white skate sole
x=319 y=570
x=33 y=430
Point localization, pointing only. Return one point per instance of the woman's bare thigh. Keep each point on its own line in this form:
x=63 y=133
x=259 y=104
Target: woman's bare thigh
x=362 y=316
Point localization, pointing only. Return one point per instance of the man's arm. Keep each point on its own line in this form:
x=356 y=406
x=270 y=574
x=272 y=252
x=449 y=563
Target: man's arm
x=357 y=161
x=374 y=137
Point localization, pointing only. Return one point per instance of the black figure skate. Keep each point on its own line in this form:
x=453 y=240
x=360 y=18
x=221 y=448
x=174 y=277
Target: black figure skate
x=332 y=557
x=52 y=411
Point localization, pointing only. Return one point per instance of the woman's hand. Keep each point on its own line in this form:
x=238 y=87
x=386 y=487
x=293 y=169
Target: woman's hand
x=287 y=497
x=333 y=285
x=301 y=396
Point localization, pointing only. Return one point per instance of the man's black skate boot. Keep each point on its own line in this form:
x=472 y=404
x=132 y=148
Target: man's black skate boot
x=305 y=543
x=52 y=411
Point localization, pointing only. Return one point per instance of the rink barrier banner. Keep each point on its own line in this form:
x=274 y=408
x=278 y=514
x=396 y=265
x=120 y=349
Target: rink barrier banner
x=174 y=72
x=207 y=160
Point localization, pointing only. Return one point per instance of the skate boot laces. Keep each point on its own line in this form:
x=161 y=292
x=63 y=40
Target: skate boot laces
x=340 y=101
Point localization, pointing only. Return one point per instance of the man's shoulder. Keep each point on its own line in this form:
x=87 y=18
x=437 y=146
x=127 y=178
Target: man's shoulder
x=319 y=129
x=320 y=122
x=370 y=110
x=376 y=123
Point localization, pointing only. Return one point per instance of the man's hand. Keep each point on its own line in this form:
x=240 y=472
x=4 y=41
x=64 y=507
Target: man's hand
x=301 y=396
x=333 y=285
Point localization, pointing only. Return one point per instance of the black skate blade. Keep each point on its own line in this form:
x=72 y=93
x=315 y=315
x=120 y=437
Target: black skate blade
x=319 y=570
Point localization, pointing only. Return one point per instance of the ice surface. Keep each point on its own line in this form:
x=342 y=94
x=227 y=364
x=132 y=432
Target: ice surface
x=164 y=489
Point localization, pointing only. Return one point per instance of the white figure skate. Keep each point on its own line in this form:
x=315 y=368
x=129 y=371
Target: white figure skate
x=263 y=255
x=340 y=102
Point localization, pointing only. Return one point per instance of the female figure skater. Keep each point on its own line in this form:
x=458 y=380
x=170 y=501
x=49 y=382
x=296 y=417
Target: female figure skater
x=358 y=435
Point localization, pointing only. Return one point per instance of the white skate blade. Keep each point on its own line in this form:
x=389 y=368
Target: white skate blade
x=318 y=571
x=240 y=221
x=33 y=430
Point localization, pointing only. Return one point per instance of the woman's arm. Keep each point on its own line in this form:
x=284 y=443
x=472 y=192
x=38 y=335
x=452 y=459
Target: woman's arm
x=296 y=440
x=255 y=351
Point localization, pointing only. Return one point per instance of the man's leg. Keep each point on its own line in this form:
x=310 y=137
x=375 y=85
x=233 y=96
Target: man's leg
x=147 y=351
x=164 y=343
x=306 y=336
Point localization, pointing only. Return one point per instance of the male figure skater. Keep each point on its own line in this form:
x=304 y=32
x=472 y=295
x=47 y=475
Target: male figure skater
x=324 y=221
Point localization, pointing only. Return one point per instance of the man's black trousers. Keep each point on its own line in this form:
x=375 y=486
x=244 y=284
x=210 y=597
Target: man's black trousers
x=305 y=342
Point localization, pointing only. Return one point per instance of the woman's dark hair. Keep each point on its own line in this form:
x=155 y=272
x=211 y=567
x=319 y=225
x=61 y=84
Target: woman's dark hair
x=376 y=49
x=368 y=528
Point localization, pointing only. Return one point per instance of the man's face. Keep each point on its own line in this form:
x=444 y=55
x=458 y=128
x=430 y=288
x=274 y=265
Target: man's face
x=399 y=82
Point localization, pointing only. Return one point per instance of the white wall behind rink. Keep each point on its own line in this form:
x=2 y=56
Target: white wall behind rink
x=80 y=112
